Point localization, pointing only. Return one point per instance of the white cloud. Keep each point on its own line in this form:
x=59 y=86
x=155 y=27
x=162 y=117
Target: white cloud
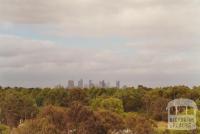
x=131 y=18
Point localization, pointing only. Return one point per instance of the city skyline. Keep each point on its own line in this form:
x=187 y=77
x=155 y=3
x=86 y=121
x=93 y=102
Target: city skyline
x=150 y=42
x=90 y=84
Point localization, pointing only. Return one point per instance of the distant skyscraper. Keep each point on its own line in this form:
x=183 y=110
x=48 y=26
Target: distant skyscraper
x=70 y=84
x=117 y=84
x=107 y=85
x=102 y=84
x=91 y=85
x=80 y=83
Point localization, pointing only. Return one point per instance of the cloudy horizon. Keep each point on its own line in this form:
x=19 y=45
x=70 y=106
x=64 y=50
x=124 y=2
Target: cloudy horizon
x=149 y=42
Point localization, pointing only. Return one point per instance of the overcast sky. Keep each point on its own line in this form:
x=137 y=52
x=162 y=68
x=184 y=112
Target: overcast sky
x=149 y=42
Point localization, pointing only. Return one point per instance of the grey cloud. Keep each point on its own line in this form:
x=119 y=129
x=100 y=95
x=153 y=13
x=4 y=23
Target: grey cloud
x=45 y=63
x=39 y=63
x=163 y=35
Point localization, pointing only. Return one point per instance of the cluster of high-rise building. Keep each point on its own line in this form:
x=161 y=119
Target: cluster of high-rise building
x=90 y=84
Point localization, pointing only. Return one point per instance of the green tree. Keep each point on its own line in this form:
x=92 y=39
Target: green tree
x=111 y=121
x=83 y=120
x=140 y=124
x=111 y=103
x=77 y=95
x=131 y=98
x=15 y=107
x=51 y=120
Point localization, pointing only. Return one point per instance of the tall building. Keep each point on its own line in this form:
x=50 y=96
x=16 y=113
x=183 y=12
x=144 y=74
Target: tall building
x=102 y=84
x=107 y=85
x=80 y=83
x=117 y=84
x=70 y=84
x=91 y=85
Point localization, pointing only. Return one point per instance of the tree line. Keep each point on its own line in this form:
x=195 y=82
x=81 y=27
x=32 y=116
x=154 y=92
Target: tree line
x=89 y=111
